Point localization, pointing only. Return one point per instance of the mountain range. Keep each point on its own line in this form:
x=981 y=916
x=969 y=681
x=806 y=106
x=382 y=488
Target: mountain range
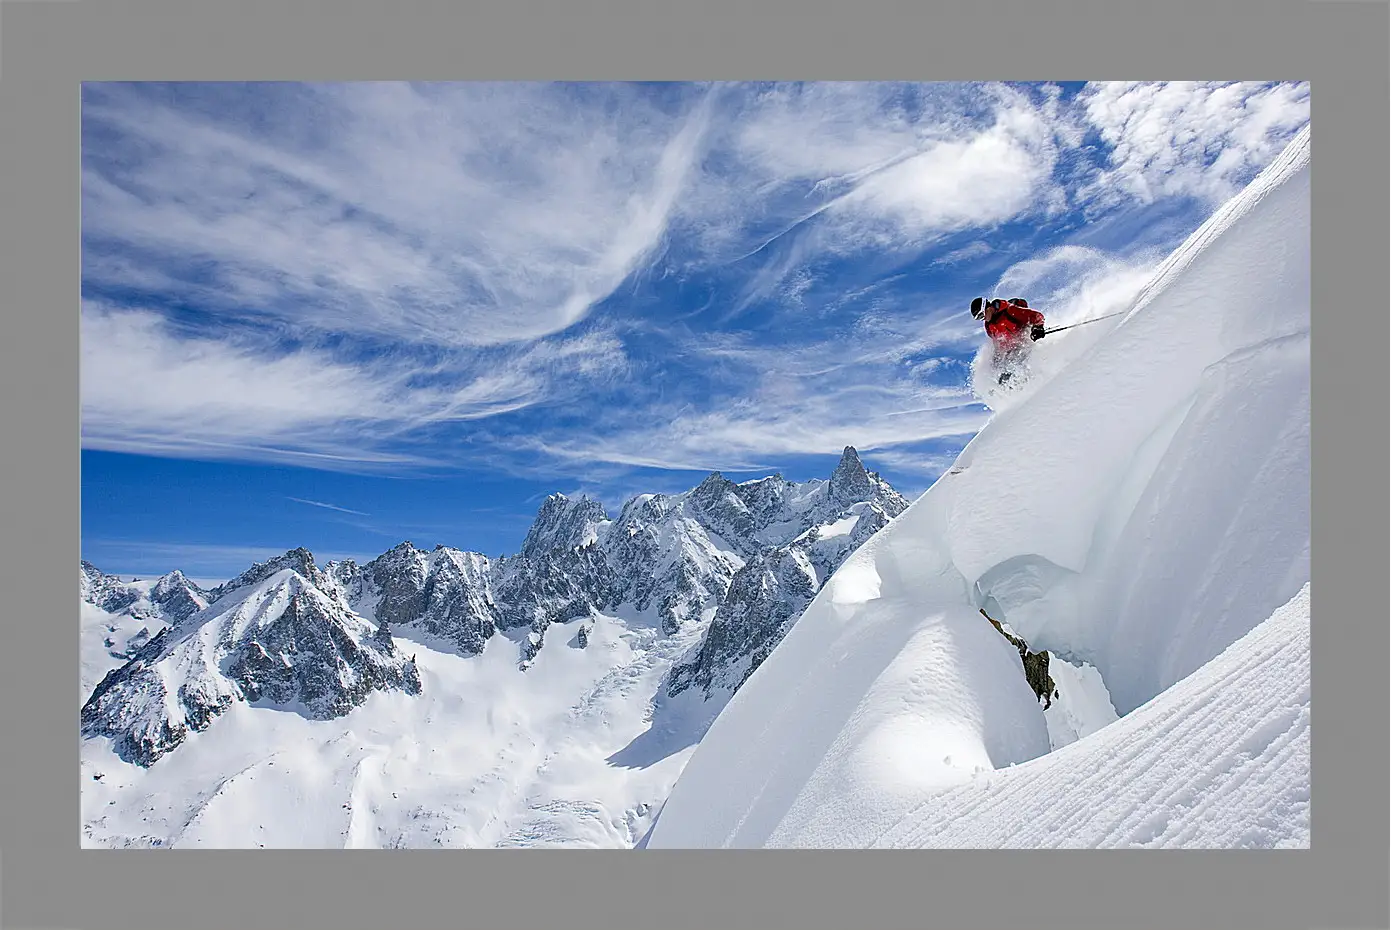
x=724 y=569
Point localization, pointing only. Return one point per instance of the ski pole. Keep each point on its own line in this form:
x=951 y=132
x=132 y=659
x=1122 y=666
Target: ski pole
x=1058 y=329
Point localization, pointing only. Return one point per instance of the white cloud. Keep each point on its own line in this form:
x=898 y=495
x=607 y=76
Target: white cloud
x=457 y=234
x=1200 y=139
x=827 y=132
x=870 y=388
x=979 y=181
x=974 y=177
x=976 y=250
x=849 y=168
x=757 y=433
x=915 y=463
x=462 y=215
x=141 y=384
x=146 y=388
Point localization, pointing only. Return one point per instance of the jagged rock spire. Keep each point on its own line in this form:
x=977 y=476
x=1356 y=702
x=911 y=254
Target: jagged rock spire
x=562 y=523
x=850 y=481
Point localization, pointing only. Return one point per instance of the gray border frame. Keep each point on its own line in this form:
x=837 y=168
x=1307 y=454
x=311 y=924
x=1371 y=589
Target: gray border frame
x=46 y=48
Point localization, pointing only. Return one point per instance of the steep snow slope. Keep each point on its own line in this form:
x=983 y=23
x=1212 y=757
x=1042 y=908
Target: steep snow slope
x=1165 y=515
x=1221 y=760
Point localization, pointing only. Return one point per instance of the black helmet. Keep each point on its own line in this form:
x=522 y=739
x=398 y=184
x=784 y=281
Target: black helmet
x=978 y=307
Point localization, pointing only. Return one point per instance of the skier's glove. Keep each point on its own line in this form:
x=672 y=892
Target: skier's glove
x=1037 y=333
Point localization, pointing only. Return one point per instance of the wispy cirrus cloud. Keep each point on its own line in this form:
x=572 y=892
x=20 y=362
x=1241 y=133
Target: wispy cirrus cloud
x=146 y=388
x=454 y=214
x=752 y=434
x=885 y=382
x=982 y=177
x=879 y=173
x=577 y=277
x=966 y=253
x=842 y=168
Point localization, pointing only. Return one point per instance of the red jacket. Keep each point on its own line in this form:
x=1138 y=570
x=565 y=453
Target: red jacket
x=1009 y=326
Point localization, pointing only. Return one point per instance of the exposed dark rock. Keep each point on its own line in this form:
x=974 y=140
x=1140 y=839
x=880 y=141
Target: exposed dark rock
x=177 y=597
x=305 y=650
x=765 y=597
x=300 y=561
x=1035 y=665
x=171 y=599
x=563 y=524
x=398 y=576
x=309 y=657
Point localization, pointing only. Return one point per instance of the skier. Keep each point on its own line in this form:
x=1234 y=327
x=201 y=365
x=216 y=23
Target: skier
x=1008 y=323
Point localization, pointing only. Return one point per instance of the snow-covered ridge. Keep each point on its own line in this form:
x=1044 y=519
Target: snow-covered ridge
x=278 y=638
x=124 y=615
x=170 y=597
x=1162 y=515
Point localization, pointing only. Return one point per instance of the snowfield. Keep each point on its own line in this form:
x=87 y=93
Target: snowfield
x=1139 y=508
x=485 y=755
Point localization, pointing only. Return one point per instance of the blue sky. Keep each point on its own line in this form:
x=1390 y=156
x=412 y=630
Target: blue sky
x=340 y=316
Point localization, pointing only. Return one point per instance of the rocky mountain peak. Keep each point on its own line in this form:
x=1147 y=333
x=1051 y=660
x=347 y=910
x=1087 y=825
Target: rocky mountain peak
x=401 y=551
x=714 y=483
x=177 y=598
x=719 y=497
x=309 y=652
x=850 y=481
x=92 y=579
x=563 y=523
x=299 y=560
x=171 y=582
